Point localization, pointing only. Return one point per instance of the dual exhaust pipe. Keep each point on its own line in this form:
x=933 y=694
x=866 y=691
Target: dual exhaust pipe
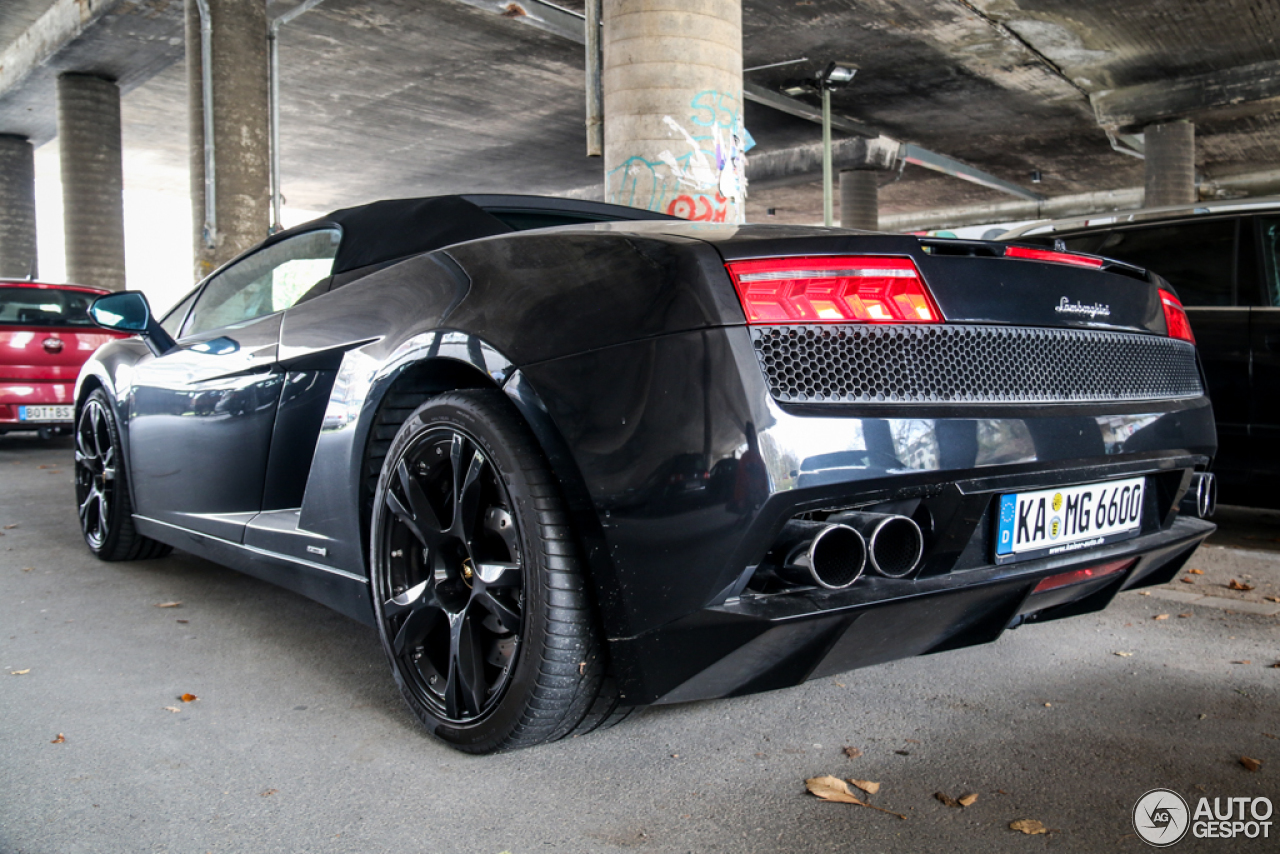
x=1201 y=497
x=834 y=554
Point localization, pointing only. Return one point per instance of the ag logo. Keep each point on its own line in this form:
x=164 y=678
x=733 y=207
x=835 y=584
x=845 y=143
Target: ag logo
x=1161 y=817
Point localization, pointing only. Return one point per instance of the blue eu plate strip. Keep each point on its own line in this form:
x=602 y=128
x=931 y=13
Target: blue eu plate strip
x=1004 y=534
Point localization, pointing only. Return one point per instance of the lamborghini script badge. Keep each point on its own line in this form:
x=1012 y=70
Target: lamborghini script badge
x=1097 y=309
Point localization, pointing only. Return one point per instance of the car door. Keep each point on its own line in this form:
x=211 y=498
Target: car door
x=201 y=416
x=1265 y=338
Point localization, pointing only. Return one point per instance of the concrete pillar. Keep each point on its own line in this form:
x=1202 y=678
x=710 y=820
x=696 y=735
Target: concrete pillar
x=17 y=208
x=1171 y=164
x=92 y=180
x=241 y=129
x=860 y=199
x=673 y=107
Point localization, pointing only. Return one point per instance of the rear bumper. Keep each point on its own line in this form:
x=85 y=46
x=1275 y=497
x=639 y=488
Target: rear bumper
x=32 y=393
x=681 y=471
x=759 y=643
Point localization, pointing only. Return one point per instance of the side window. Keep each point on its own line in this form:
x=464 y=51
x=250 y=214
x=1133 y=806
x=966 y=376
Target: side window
x=173 y=320
x=1271 y=259
x=1196 y=257
x=268 y=281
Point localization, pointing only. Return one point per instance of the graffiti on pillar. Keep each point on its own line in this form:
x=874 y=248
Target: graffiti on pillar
x=700 y=208
x=705 y=179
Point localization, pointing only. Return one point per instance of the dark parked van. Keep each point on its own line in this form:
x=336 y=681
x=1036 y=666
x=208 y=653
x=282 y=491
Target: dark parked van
x=1223 y=258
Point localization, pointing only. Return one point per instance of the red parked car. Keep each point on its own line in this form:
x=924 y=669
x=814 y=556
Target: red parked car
x=45 y=336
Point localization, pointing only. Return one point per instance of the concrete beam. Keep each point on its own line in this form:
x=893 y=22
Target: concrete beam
x=799 y=164
x=1251 y=184
x=1235 y=92
x=63 y=22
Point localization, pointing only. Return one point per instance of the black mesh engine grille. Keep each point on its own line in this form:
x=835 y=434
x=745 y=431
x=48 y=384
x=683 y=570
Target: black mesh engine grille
x=980 y=364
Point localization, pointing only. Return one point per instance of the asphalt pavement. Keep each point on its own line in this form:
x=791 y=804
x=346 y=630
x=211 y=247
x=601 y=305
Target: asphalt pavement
x=298 y=741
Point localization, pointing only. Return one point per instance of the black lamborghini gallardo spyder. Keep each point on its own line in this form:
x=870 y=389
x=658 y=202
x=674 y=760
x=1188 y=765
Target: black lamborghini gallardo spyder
x=571 y=459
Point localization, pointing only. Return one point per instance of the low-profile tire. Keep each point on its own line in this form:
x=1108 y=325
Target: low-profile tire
x=102 y=487
x=479 y=596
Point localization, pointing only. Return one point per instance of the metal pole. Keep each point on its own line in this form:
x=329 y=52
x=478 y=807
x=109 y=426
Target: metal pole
x=206 y=88
x=828 y=217
x=273 y=70
x=595 y=94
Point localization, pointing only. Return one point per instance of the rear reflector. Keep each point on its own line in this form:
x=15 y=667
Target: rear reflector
x=1053 y=257
x=843 y=289
x=1076 y=576
x=1175 y=317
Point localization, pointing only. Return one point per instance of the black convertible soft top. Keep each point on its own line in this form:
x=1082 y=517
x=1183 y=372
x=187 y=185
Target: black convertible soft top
x=385 y=231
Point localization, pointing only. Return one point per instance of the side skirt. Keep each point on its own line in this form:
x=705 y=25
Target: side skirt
x=344 y=592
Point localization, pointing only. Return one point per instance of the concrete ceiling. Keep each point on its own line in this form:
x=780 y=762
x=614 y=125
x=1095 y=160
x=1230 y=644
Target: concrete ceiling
x=385 y=98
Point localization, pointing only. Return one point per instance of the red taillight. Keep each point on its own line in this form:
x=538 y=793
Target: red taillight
x=843 y=289
x=1075 y=576
x=1054 y=257
x=1175 y=317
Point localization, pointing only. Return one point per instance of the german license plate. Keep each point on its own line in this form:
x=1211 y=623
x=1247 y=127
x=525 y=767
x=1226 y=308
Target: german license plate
x=1067 y=519
x=44 y=413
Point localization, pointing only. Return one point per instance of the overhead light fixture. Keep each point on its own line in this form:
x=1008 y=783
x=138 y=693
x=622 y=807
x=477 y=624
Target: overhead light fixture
x=835 y=76
x=1035 y=176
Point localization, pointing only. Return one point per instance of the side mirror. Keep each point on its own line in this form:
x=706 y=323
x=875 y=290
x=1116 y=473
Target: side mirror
x=128 y=311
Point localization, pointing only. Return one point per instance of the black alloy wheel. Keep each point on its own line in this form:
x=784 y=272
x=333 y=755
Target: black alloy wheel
x=479 y=600
x=95 y=472
x=102 y=492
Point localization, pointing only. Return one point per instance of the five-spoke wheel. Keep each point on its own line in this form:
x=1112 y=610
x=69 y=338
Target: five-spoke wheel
x=453 y=562
x=95 y=471
x=478 y=595
x=102 y=486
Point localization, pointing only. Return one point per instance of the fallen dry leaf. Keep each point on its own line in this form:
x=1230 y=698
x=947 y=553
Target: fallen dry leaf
x=28 y=569
x=1276 y=665
x=1186 y=580
x=10 y=527
x=1238 y=585
x=1188 y=614
x=1028 y=826
x=968 y=800
x=42 y=467
x=1251 y=764
x=188 y=698
x=19 y=672
x=831 y=789
x=1144 y=592
x=865 y=785
x=1271 y=735
x=834 y=789
x=946 y=799
x=183 y=621
x=853 y=752
x=268 y=793
x=168 y=604
x=1123 y=654
x=903 y=752
x=62 y=739
x=1275 y=599
x=173 y=709
x=1242 y=661
x=1160 y=617
x=1196 y=571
